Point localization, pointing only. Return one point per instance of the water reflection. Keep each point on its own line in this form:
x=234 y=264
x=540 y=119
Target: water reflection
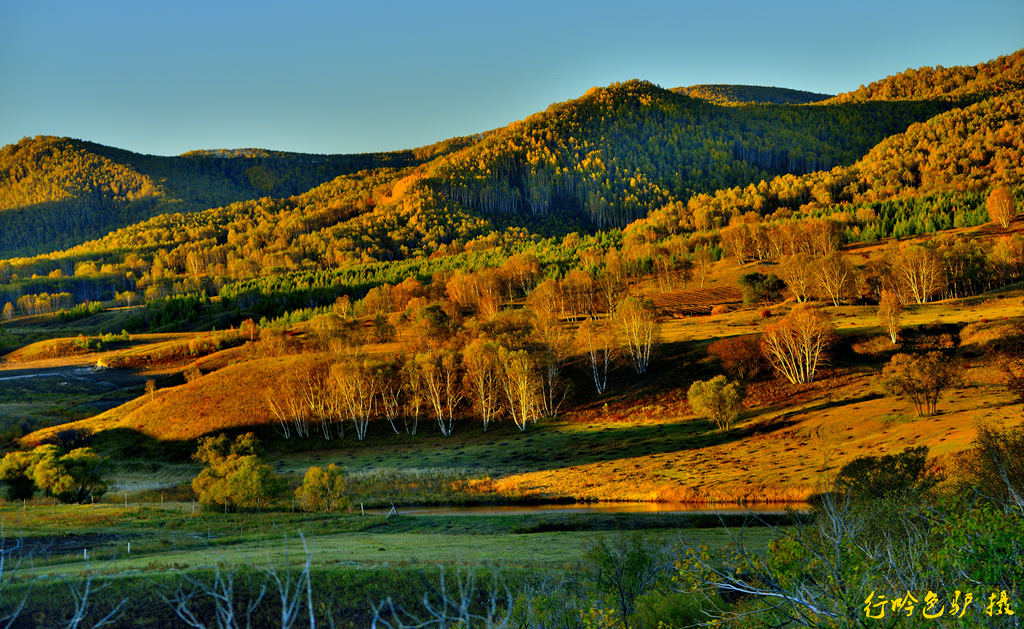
x=604 y=507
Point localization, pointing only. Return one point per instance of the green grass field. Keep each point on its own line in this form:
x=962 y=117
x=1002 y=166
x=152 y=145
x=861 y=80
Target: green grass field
x=67 y=539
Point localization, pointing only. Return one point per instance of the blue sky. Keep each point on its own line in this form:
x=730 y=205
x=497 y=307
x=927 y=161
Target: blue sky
x=343 y=77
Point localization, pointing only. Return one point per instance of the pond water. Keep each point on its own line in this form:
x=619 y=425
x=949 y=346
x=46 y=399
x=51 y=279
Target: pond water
x=601 y=507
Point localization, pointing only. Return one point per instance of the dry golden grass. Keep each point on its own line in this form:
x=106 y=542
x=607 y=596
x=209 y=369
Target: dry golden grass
x=781 y=454
x=61 y=352
x=791 y=441
x=231 y=397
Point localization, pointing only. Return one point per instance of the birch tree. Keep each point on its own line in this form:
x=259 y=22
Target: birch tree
x=482 y=379
x=1000 y=206
x=521 y=386
x=440 y=373
x=356 y=389
x=890 y=311
x=918 y=272
x=797 y=271
x=798 y=344
x=637 y=324
x=596 y=338
x=836 y=278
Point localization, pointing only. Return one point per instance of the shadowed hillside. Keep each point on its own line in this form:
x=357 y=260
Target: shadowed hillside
x=57 y=192
x=722 y=94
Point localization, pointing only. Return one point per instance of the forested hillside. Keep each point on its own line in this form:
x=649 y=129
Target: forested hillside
x=722 y=94
x=672 y=164
x=618 y=151
x=57 y=192
x=939 y=171
x=1002 y=74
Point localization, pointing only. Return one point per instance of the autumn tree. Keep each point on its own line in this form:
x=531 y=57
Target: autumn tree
x=716 y=399
x=1000 y=206
x=798 y=344
x=483 y=378
x=414 y=394
x=551 y=345
x=16 y=473
x=8 y=312
x=233 y=475
x=921 y=379
x=439 y=370
x=355 y=385
x=741 y=357
x=918 y=272
x=580 y=290
x=389 y=381
x=377 y=301
x=75 y=476
x=520 y=273
x=890 y=311
x=637 y=323
x=597 y=340
x=250 y=330
x=521 y=386
x=836 y=278
x=288 y=405
x=323 y=490
x=797 y=271
x=702 y=264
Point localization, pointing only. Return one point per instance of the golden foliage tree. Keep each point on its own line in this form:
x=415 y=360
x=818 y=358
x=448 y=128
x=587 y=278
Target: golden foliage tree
x=921 y=379
x=522 y=387
x=918 y=272
x=836 y=278
x=798 y=344
x=637 y=322
x=323 y=490
x=1000 y=206
x=482 y=378
x=890 y=311
x=597 y=339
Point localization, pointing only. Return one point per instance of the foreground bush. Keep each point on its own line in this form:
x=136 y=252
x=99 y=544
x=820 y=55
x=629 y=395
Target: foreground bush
x=234 y=476
x=75 y=476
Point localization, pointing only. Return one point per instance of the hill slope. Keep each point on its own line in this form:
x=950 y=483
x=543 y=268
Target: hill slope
x=999 y=75
x=723 y=94
x=57 y=192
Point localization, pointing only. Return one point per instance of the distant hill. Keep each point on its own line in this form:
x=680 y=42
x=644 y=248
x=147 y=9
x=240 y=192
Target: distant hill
x=600 y=162
x=604 y=159
x=57 y=192
x=616 y=152
x=722 y=94
x=933 y=173
x=997 y=76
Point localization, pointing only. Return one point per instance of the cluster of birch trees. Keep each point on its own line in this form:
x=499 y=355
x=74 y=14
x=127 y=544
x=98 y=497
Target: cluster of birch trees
x=813 y=267
x=511 y=368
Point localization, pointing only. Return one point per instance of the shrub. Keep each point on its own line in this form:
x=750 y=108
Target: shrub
x=740 y=357
x=234 y=477
x=717 y=399
x=624 y=571
x=995 y=465
x=323 y=490
x=759 y=288
x=920 y=378
x=872 y=477
x=76 y=476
